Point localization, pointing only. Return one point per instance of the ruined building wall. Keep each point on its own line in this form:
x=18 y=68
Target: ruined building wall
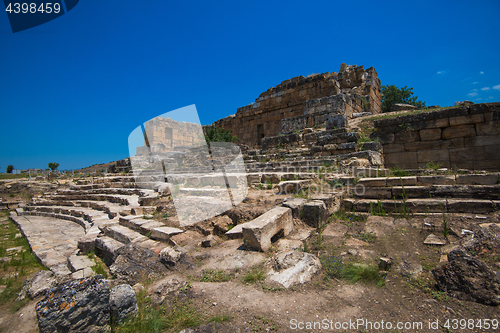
x=164 y=134
x=463 y=137
x=353 y=89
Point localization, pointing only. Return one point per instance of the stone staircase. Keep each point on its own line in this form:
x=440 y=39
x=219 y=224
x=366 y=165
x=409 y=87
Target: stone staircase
x=471 y=193
x=93 y=215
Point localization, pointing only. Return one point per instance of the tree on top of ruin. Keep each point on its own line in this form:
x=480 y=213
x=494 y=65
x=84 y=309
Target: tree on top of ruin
x=392 y=95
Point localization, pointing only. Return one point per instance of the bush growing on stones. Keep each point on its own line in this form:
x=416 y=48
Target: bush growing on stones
x=219 y=134
x=392 y=95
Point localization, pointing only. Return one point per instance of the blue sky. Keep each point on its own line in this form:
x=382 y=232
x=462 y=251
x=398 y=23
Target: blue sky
x=73 y=89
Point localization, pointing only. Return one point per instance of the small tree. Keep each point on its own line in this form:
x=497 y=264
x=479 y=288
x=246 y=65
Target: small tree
x=53 y=166
x=392 y=95
x=10 y=168
x=219 y=134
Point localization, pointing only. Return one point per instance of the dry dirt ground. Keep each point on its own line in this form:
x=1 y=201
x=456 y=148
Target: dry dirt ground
x=261 y=306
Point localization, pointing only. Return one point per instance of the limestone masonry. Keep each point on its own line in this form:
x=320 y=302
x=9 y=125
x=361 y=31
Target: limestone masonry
x=465 y=137
x=303 y=102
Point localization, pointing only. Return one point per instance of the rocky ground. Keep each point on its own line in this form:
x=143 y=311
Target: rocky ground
x=228 y=283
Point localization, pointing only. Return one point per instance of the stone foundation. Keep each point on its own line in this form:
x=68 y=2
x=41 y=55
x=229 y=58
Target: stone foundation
x=464 y=137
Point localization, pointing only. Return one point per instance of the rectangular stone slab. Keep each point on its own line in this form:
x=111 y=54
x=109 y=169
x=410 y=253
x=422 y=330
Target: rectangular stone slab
x=258 y=233
x=164 y=233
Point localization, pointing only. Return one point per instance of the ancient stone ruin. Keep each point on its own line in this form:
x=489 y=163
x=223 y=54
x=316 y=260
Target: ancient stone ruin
x=303 y=102
x=306 y=196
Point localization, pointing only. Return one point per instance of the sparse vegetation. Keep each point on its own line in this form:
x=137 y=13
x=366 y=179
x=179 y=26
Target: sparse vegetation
x=353 y=272
x=219 y=134
x=216 y=275
x=254 y=275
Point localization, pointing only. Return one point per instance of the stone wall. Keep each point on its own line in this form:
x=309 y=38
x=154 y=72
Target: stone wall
x=465 y=137
x=164 y=134
x=353 y=89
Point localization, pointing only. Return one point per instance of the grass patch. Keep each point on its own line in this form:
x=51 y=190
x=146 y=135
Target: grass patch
x=98 y=268
x=334 y=267
x=151 y=318
x=15 y=176
x=368 y=237
x=21 y=263
x=216 y=275
x=254 y=275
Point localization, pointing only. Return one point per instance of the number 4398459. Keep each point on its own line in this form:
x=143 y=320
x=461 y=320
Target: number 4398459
x=33 y=8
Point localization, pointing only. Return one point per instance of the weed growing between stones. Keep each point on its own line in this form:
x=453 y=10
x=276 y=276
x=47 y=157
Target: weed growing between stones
x=399 y=172
x=433 y=166
x=379 y=210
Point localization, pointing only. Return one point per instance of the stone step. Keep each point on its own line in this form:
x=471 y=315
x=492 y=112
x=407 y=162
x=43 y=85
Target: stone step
x=107 y=207
x=211 y=192
x=112 y=191
x=107 y=248
x=473 y=179
x=472 y=206
x=80 y=221
x=486 y=192
x=88 y=214
x=123 y=234
x=128 y=200
x=139 y=224
x=164 y=233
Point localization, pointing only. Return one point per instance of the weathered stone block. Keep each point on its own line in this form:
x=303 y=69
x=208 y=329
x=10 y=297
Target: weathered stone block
x=488 y=128
x=430 y=134
x=259 y=232
x=401 y=181
x=490 y=165
x=273 y=178
x=373 y=192
x=372 y=182
x=314 y=213
x=462 y=154
x=335 y=121
x=393 y=148
x=470 y=206
x=406 y=136
x=433 y=155
x=296 y=205
x=164 y=233
x=76 y=306
x=486 y=140
x=401 y=159
x=490 y=179
x=448 y=113
x=435 y=180
x=458 y=132
x=465 y=120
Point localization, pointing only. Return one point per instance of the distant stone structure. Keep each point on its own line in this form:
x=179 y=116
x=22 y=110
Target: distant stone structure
x=303 y=102
x=165 y=134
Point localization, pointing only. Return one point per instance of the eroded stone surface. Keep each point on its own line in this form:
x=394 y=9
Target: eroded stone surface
x=293 y=267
